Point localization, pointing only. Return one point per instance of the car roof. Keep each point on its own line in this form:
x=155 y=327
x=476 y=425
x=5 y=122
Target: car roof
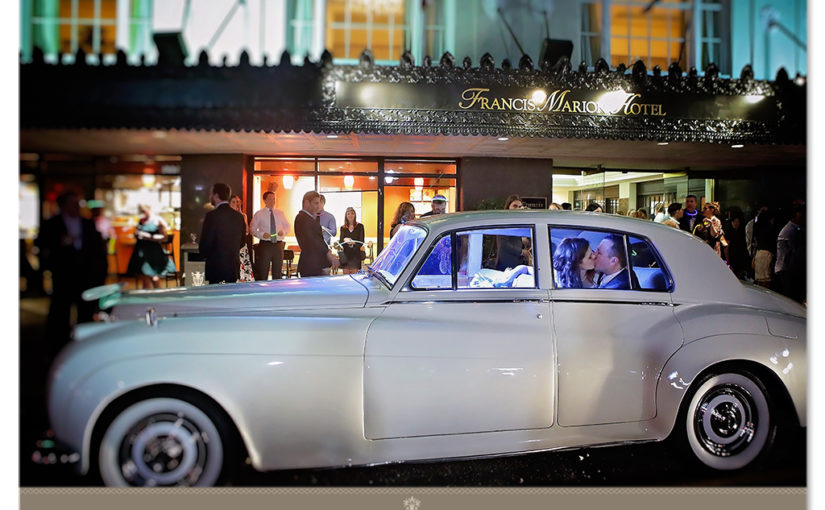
x=577 y=218
x=695 y=267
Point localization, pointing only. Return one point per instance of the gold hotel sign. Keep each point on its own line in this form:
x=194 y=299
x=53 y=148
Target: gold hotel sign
x=457 y=97
x=561 y=101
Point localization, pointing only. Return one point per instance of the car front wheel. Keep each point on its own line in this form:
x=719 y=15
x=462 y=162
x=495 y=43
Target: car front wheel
x=728 y=420
x=161 y=442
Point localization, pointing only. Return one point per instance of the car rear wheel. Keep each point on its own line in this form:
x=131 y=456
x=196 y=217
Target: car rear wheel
x=161 y=442
x=728 y=421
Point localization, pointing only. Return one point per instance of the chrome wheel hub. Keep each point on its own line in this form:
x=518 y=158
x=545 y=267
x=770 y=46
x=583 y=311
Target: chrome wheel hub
x=163 y=450
x=725 y=420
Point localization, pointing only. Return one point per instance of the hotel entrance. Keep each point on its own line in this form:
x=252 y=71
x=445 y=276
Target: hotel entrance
x=374 y=187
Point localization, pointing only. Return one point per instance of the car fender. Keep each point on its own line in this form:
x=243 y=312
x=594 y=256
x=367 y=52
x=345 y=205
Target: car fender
x=784 y=357
x=255 y=407
x=312 y=366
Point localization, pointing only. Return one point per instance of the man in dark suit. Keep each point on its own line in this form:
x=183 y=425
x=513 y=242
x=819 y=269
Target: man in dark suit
x=222 y=236
x=73 y=251
x=611 y=262
x=315 y=254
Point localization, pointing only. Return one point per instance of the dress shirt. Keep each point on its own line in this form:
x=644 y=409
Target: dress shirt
x=260 y=223
x=605 y=279
x=790 y=251
x=74 y=228
x=328 y=224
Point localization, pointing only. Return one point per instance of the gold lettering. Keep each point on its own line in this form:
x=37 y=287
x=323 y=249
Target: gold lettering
x=471 y=95
x=507 y=103
x=577 y=107
x=518 y=99
x=566 y=107
x=589 y=104
x=635 y=111
x=555 y=100
x=629 y=101
x=484 y=104
x=494 y=105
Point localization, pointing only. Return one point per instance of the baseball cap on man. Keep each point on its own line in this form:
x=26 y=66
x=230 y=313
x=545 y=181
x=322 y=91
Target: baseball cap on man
x=439 y=198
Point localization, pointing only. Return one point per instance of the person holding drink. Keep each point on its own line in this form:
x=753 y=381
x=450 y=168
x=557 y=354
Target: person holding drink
x=270 y=226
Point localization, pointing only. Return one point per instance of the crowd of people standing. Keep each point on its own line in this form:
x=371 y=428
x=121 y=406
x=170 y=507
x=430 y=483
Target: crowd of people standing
x=226 y=236
x=763 y=250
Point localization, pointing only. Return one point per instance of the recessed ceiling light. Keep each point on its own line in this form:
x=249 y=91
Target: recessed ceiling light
x=737 y=146
x=503 y=139
x=662 y=143
x=332 y=136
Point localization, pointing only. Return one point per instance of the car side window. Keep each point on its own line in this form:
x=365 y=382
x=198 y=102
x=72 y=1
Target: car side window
x=590 y=259
x=499 y=257
x=436 y=271
x=647 y=266
x=495 y=258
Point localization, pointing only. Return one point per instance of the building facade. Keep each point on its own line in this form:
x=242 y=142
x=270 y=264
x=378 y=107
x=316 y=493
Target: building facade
x=370 y=129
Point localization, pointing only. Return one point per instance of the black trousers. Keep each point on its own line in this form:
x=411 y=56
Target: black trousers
x=266 y=254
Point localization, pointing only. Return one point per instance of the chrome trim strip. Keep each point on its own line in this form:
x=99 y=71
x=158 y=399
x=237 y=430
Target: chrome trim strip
x=422 y=301
x=614 y=302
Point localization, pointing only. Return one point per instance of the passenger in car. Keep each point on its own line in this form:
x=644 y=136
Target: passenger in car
x=611 y=262
x=573 y=262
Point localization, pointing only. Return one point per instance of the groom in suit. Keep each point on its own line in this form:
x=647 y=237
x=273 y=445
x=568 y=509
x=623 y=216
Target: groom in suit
x=611 y=262
x=315 y=254
x=222 y=236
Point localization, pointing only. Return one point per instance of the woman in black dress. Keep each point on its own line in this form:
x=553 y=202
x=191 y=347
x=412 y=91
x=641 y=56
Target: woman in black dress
x=352 y=239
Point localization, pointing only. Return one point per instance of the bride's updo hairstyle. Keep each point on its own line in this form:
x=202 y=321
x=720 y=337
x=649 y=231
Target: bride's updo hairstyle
x=566 y=262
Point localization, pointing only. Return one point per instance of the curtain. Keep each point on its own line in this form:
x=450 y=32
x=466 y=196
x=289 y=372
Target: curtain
x=592 y=23
x=140 y=18
x=45 y=33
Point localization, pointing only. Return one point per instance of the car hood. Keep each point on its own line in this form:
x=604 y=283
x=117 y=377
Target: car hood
x=240 y=298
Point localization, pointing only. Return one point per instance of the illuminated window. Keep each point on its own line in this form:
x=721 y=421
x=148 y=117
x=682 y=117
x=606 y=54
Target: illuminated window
x=64 y=26
x=658 y=37
x=354 y=25
x=659 y=33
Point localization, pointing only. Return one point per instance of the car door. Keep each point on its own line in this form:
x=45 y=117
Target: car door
x=612 y=342
x=464 y=347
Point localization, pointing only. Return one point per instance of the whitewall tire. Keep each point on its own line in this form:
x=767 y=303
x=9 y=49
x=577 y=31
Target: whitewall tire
x=161 y=442
x=728 y=421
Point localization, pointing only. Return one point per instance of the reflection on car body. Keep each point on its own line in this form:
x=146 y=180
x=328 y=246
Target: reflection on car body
x=435 y=353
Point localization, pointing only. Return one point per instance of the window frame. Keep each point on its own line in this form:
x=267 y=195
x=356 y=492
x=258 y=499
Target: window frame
x=668 y=274
x=696 y=40
x=453 y=260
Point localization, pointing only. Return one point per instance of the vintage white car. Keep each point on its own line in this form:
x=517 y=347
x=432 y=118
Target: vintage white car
x=461 y=340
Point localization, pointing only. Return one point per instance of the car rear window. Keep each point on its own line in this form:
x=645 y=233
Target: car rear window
x=590 y=258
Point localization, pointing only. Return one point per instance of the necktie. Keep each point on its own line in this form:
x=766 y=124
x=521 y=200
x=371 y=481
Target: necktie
x=318 y=218
x=272 y=228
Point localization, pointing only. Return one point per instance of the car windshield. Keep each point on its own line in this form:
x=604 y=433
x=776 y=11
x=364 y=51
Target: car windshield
x=398 y=253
